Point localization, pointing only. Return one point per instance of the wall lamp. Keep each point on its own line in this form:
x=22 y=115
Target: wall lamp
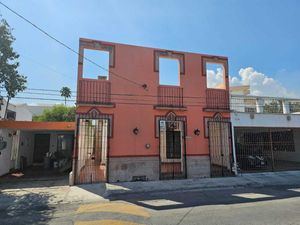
x=197 y=132
x=136 y=131
x=144 y=86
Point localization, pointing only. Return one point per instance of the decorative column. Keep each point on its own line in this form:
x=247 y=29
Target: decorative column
x=259 y=105
x=285 y=106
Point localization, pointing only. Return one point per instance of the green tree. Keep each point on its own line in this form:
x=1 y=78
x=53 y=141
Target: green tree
x=66 y=93
x=58 y=113
x=273 y=107
x=10 y=78
x=294 y=107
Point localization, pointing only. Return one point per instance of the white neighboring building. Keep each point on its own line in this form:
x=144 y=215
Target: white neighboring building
x=266 y=133
x=19 y=112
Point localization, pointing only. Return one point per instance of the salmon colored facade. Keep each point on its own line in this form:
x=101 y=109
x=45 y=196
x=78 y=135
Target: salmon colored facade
x=133 y=103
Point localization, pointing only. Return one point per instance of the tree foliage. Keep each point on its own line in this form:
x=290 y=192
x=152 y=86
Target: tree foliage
x=10 y=78
x=294 y=107
x=66 y=93
x=273 y=107
x=58 y=113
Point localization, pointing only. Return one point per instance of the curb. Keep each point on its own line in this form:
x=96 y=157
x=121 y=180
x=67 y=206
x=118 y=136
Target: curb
x=114 y=193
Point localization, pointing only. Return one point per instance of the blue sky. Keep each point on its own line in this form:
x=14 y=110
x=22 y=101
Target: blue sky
x=260 y=37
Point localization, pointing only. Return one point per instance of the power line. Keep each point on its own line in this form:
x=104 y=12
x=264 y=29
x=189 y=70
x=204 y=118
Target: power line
x=125 y=97
x=123 y=101
x=45 y=66
x=115 y=94
x=68 y=47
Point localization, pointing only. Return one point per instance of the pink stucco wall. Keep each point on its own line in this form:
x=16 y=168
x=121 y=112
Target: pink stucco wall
x=137 y=64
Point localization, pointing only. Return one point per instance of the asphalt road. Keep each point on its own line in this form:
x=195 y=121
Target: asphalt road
x=267 y=205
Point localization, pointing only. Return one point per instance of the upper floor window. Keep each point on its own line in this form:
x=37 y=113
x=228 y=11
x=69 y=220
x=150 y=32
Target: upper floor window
x=101 y=58
x=216 y=71
x=170 y=66
x=169 y=72
x=215 y=76
x=11 y=115
x=96 y=59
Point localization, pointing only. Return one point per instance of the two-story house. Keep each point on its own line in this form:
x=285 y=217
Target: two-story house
x=131 y=126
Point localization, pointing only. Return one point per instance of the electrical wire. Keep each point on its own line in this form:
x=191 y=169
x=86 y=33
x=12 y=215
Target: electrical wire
x=68 y=47
x=122 y=99
x=87 y=59
x=115 y=94
x=45 y=66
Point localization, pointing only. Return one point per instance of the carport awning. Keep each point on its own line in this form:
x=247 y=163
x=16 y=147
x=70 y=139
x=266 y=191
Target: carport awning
x=30 y=125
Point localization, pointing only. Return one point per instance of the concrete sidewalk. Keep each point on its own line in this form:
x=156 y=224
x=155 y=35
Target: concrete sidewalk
x=244 y=180
x=58 y=192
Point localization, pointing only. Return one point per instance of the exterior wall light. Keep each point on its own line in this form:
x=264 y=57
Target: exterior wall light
x=136 y=131
x=197 y=132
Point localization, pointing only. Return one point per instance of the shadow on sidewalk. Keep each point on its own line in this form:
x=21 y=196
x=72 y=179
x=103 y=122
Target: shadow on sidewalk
x=29 y=208
x=33 y=177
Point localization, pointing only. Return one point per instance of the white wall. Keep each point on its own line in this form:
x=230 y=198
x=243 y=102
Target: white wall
x=5 y=163
x=3 y=107
x=22 y=113
x=265 y=120
x=26 y=146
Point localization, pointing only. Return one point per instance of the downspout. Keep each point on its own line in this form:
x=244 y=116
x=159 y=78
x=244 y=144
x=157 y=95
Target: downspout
x=233 y=150
x=73 y=173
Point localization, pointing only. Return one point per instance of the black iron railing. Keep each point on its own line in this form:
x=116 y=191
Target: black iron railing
x=217 y=99
x=94 y=92
x=170 y=96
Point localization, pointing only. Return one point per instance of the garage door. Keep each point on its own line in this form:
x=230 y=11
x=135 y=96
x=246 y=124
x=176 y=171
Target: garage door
x=267 y=149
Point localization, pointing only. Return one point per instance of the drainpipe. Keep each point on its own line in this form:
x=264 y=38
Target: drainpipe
x=233 y=151
x=285 y=107
x=73 y=173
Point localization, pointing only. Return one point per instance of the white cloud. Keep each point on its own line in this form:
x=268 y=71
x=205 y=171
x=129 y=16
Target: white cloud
x=260 y=84
x=215 y=78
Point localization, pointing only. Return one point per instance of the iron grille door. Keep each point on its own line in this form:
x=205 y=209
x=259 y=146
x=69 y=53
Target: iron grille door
x=92 y=151
x=260 y=149
x=220 y=148
x=172 y=150
x=173 y=144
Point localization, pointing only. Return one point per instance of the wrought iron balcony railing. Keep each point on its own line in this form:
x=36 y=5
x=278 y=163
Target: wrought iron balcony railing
x=91 y=91
x=170 y=96
x=217 y=99
x=261 y=104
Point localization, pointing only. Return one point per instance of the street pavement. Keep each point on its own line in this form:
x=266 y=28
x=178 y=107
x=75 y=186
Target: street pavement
x=260 y=205
x=267 y=198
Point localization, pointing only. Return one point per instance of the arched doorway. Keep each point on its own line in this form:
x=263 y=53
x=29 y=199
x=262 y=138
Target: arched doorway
x=93 y=131
x=220 y=146
x=172 y=147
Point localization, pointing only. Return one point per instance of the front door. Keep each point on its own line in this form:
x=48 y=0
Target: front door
x=41 y=147
x=92 y=151
x=172 y=151
x=220 y=148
